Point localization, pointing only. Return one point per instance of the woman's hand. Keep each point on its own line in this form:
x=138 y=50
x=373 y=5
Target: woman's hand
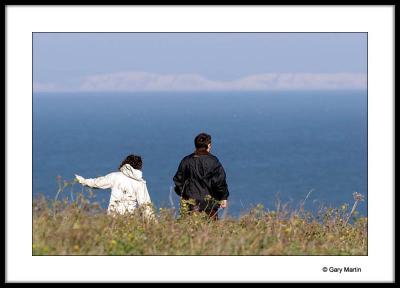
x=80 y=179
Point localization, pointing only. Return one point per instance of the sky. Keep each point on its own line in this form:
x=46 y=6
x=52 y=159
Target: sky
x=198 y=61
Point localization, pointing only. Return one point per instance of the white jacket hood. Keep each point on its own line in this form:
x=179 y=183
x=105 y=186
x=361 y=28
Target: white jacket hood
x=131 y=172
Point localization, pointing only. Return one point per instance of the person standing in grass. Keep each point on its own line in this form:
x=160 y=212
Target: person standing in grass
x=200 y=180
x=128 y=188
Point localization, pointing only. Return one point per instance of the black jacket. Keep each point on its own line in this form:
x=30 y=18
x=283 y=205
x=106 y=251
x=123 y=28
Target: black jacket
x=200 y=174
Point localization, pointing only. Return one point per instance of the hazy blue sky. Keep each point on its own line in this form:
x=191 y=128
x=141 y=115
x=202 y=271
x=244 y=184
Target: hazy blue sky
x=67 y=59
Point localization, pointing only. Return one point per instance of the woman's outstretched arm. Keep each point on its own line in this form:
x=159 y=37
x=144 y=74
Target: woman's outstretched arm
x=103 y=182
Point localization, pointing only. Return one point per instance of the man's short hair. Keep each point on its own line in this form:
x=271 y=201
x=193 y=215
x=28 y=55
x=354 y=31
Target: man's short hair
x=202 y=140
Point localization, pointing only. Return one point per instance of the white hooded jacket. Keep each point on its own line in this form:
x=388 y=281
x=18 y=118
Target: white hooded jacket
x=128 y=190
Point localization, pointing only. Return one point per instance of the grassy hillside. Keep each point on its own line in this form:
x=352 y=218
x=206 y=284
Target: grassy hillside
x=82 y=228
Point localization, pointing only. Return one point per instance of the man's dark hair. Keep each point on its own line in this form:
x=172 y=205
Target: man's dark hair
x=134 y=160
x=202 y=140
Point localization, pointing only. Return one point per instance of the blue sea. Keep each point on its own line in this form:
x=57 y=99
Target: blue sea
x=274 y=146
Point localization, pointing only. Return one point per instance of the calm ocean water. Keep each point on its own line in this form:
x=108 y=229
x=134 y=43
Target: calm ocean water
x=271 y=144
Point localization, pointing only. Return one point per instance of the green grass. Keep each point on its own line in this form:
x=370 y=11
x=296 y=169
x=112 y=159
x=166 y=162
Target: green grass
x=81 y=228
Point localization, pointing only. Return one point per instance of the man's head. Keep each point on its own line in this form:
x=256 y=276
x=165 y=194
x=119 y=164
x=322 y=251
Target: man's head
x=134 y=160
x=203 y=142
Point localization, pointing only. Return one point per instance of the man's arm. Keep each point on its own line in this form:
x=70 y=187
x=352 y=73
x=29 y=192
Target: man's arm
x=179 y=180
x=220 y=186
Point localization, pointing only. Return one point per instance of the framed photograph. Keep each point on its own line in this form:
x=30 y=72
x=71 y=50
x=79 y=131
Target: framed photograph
x=263 y=146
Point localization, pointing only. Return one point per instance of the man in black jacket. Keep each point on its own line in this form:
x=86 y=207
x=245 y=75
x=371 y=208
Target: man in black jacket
x=200 y=180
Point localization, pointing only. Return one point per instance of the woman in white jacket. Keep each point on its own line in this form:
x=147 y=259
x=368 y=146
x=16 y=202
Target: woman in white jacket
x=128 y=188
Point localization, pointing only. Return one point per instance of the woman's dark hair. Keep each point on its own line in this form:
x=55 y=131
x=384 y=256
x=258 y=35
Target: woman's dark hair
x=134 y=160
x=202 y=140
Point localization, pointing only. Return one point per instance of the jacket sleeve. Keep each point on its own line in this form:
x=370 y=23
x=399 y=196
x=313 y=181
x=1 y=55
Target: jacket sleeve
x=179 y=179
x=103 y=182
x=143 y=196
x=220 y=187
x=144 y=201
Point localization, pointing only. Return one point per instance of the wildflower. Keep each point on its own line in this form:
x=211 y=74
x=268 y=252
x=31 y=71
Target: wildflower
x=358 y=196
